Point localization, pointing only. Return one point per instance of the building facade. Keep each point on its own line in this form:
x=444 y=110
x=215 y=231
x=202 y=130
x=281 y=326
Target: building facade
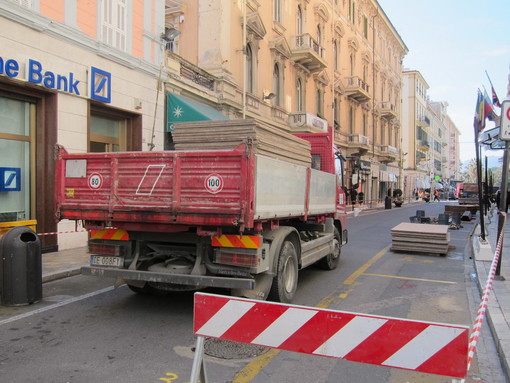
x=83 y=75
x=299 y=65
x=430 y=140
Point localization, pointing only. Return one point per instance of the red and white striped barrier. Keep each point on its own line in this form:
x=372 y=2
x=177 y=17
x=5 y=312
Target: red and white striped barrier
x=400 y=343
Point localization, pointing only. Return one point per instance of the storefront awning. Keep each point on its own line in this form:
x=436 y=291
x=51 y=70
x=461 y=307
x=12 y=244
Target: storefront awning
x=184 y=109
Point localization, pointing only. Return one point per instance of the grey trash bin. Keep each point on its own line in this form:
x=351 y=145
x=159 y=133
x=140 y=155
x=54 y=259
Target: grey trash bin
x=443 y=219
x=20 y=267
x=387 y=202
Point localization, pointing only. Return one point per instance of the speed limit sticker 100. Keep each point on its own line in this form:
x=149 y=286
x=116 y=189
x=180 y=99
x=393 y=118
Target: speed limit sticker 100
x=95 y=181
x=213 y=183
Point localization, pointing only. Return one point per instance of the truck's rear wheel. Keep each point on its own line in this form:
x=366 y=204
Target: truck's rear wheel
x=285 y=281
x=330 y=262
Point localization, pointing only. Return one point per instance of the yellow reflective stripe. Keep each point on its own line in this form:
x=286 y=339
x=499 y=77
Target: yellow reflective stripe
x=245 y=241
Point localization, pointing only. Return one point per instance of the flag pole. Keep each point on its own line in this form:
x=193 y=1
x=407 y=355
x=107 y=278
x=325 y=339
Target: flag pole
x=489 y=78
x=480 y=190
x=478 y=126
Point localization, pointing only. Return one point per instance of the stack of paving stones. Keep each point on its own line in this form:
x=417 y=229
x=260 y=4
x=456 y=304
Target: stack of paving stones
x=420 y=238
x=267 y=140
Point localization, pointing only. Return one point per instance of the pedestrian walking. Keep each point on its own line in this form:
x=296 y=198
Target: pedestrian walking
x=436 y=195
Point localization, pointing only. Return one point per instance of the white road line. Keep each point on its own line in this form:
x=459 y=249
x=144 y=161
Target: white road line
x=54 y=306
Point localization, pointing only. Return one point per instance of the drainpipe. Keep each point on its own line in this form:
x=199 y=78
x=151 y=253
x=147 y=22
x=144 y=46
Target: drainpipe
x=245 y=69
x=373 y=91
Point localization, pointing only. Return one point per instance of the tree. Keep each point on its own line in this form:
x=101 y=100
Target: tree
x=468 y=173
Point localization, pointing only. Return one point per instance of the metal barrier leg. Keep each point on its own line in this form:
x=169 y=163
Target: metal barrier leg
x=199 y=363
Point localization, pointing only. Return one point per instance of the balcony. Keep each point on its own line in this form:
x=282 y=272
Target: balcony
x=389 y=153
x=359 y=142
x=423 y=121
x=423 y=145
x=307 y=122
x=307 y=52
x=388 y=110
x=357 y=89
x=389 y=150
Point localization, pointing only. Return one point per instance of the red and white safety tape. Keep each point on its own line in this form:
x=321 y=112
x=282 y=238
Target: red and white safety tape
x=477 y=327
x=63 y=232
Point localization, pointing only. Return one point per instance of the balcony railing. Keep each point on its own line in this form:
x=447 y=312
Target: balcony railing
x=308 y=52
x=388 y=149
x=189 y=71
x=359 y=139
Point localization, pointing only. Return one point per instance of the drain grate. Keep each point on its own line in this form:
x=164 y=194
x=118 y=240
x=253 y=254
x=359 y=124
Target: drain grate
x=226 y=349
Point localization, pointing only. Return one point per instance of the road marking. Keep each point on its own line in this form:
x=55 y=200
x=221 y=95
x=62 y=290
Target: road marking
x=54 y=306
x=252 y=369
x=362 y=269
x=410 y=279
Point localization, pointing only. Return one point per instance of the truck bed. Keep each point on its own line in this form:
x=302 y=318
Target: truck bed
x=204 y=188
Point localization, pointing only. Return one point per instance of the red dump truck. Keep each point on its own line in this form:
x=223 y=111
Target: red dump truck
x=189 y=219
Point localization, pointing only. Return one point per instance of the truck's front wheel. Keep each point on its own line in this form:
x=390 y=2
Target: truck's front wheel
x=285 y=281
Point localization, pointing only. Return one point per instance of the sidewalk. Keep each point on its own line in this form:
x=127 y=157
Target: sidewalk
x=498 y=306
x=63 y=263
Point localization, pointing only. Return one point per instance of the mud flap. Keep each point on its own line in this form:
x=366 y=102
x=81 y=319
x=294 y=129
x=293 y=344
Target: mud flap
x=261 y=290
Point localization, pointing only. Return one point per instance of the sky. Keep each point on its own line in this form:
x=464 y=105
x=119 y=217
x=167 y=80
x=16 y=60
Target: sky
x=452 y=43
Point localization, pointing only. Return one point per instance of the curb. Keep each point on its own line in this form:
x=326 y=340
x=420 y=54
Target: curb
x=61 y=274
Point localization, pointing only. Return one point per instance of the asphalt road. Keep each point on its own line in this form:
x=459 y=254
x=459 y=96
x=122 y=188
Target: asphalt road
x=86 y=331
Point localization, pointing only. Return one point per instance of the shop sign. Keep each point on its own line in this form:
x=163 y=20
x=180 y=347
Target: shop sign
x=99 y=80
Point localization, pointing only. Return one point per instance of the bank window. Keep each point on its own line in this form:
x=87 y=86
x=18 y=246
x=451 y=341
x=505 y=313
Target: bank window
x=107 y=134
x=112 y=130
x=17 y=163
x=114 y=23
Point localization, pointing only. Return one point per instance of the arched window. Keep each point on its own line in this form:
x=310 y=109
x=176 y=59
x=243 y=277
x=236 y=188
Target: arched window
x=300 y=96
x=249 y=69
x=299 y=26
x=277 y=84
x=319 y=35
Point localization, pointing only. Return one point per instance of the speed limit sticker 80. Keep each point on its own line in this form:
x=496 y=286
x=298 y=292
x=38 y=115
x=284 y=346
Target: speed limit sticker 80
x=95 y=181
x=213 y=183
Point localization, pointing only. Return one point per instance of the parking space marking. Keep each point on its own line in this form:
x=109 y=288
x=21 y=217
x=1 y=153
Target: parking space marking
x=51 y=307
x=409 y=278
x=352 y=278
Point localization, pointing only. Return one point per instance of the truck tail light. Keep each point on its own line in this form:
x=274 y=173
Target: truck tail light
x=236 y=259
x=107 y=249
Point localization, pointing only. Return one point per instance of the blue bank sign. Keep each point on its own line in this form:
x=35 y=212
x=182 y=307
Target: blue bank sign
x=10 y=179
x=99 y=87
